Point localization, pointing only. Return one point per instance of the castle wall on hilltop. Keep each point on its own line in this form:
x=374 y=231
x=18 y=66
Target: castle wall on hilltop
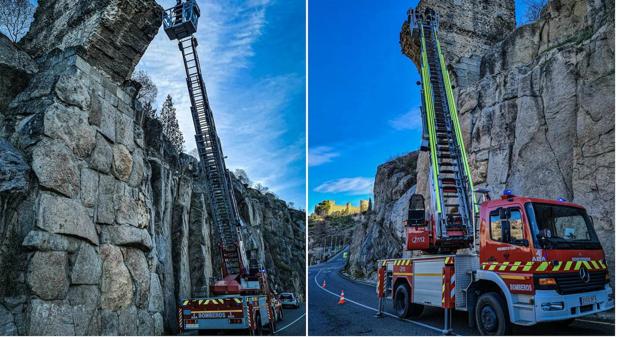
x=329 y=207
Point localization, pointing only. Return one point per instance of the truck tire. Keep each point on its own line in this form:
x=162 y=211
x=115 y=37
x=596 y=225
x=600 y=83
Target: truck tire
x=402 y=306
x=272 y=327
x=492 y=315
x=400 y=302
x=258 y=328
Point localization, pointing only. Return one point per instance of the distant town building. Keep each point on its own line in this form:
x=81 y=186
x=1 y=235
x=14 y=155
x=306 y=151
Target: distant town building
x=329 y=207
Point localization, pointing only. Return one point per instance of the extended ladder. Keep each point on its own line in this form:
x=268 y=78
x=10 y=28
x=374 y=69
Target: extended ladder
x=453 y=201
x=180 y=23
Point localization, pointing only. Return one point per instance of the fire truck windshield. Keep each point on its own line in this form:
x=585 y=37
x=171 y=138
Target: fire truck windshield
x=561 y=227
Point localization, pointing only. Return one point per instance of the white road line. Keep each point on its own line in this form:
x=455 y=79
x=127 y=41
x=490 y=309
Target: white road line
x=290 y=324
x=357 y=281
x=374 y=309
x=595 y=322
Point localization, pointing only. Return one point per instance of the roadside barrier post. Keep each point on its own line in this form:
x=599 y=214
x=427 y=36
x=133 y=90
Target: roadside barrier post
x=381 y=272
x=448 y=292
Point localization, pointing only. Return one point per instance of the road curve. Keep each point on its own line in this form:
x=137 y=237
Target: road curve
x=293 y=323
x=356 y=316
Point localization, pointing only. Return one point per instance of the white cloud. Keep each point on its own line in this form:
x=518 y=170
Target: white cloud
x=321 y=155
x=350 y=185
x=250 y=113
x=412 y=120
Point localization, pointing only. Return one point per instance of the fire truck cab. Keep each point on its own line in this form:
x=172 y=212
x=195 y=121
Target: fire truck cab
x=536 y=260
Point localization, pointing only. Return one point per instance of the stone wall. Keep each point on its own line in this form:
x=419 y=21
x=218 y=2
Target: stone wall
x=77 y=246
x=103 y=225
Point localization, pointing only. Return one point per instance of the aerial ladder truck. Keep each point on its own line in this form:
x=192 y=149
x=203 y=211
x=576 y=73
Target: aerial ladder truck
x=512 y=260
x=241 y=299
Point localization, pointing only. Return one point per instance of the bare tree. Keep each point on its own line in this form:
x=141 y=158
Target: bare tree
x=147 y=93
x=534 y=9
x=15 y=17
x=171 y=129
x=242 y=176
x=195 y=154
x=261 y=188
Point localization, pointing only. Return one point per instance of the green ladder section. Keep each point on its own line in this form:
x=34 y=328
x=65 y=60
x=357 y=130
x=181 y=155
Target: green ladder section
x=455 y=121
x=430 y=120
x=452 y=187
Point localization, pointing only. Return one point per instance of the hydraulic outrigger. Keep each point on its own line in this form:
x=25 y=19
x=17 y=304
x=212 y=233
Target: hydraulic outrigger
x=242 y=298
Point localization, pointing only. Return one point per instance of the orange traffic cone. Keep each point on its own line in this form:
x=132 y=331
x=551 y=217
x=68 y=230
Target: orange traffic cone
x=341 y=300
x=323 y=285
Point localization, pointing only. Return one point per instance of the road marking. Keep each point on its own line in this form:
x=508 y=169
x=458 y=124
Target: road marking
x=290 y=324
x=374 y=309
x=595 y=322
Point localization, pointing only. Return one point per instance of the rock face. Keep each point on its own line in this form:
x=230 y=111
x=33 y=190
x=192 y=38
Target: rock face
x=13 y=169
x=16 y=69
x=476 y=26
x=103 y=225
x=112 y=35
x=278 y=232
x=380 y=233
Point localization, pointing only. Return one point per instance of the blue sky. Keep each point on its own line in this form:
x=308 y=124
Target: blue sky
x=363 y=98
x=253 y=57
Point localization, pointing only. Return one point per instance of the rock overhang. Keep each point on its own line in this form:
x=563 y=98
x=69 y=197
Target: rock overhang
x=111 y=35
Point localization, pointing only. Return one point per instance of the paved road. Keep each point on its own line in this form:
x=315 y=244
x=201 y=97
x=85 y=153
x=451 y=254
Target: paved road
x=293 y=323
x=356 y=316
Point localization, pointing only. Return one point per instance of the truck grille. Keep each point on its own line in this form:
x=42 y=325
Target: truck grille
x=568 y=283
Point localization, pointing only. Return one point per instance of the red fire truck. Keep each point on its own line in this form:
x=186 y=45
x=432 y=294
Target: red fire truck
x=512 y=260
x=244 y=309
x=538 y=260
x=241 y=299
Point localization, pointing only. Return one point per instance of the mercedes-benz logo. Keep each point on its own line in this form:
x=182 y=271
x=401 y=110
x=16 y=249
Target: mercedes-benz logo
x=584 y=274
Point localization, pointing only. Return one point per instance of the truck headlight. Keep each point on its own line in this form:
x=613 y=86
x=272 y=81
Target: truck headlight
x=552 y=306
x=547 y=281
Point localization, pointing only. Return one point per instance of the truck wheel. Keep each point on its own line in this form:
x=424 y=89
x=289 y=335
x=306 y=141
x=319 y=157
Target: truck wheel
x=491 y=315
x=402 y=306
x=272 y=327
x=258 y=328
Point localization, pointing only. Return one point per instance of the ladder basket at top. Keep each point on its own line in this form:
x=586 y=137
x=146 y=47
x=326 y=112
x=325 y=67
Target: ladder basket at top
x=180 y=21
